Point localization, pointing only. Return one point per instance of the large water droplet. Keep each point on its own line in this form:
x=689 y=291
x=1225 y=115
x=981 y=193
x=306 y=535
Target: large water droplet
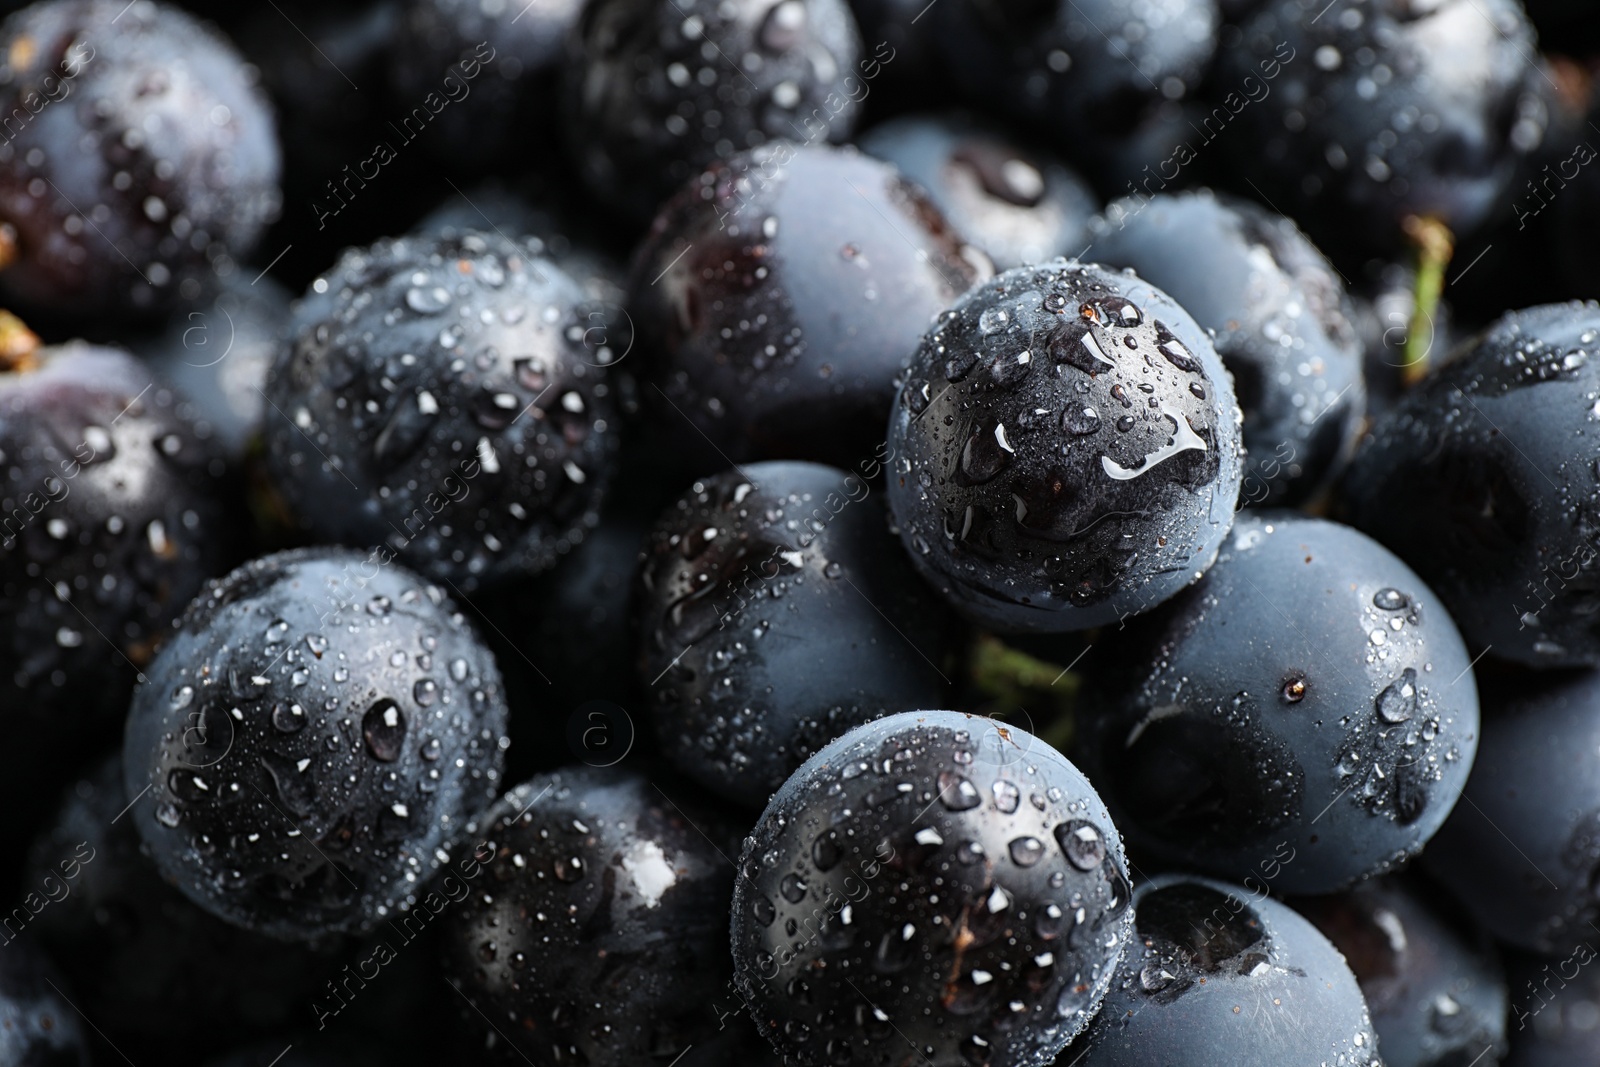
x=825 y=852
x=987 y=452
x=1174 y=350
x=1398 y=702
x=384 y=729
x=784 y=27
x=428 y=300
x=993 y=320
x=1026 y=851
x=1082 y=843
x=957 y=793
x=288 y=718
x=1389 y=599
x=1080 y=420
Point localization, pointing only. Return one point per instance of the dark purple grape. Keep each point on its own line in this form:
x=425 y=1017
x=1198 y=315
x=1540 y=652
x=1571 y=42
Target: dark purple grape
x=930 y=887
x=1065 y=450
x=313 y=737
x=783 y=291
x=146 y=161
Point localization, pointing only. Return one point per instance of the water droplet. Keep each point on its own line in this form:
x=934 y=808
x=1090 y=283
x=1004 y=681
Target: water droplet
x=986 y=454
x=428 y=300
x=1398 y=702
x=1080 y=419
x=826 y=853
x=1007 y=796
x=288 y=718
x=384 y=729
x=1153 y=977
x=1445 y=1015
x=1082 y=843
x=993 y=320
x=1389 y=599
x=764 y=912
x=957 y=793
x=784 y=27
x=1026 y=851
x=793 y=888
x=1174 y=350
x=425 y=692
x=1294 y=690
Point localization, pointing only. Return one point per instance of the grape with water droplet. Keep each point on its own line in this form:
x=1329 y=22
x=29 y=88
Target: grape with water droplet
x=775 y=611
x=784 y=289
x=1066 y=447
x=114 y=509
x=1294 y=701
x=1484 y=478
x=599 y=929
x=347 y=774
x=897 y=891
x=144 y=163
x=1436 y=990
x=1204 y=954
x=657 y=89
x=436 y=397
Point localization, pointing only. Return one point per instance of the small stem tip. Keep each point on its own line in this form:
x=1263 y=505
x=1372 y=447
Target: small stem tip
x=1435 y=245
